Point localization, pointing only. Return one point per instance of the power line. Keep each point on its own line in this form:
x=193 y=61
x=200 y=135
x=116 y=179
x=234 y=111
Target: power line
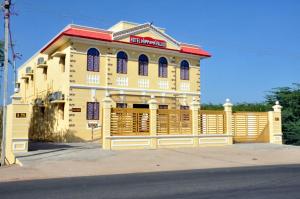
x=15 y=55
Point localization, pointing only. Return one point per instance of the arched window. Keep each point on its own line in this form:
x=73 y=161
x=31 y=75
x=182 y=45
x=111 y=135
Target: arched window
x=122 y=62
x=162 y=67
x=143 y=65
x=93 y=60
x=184 y=70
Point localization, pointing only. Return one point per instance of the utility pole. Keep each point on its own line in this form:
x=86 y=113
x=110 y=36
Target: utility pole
x=5 y=74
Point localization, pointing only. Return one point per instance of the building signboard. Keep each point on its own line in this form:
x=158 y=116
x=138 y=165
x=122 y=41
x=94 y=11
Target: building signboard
x=20 y=115
x=148 y=41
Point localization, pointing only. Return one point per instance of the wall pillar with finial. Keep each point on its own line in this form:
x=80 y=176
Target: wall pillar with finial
x=153 y=106
x=228 y=115
x=275 y=125
x=107 y=104
x=195 y=106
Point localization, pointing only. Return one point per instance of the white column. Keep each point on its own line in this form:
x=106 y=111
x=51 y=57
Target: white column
x=275 y=124
x=228 y=115
x=153 y=106
x=195 y=106
x=107 y=104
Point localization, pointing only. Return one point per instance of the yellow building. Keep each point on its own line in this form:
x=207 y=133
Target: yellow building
x=67 y=79
x=132 y=87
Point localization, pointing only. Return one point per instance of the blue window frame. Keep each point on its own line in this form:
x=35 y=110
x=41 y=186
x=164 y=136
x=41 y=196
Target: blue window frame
x=162 y=67
x=93 y=60
x=143 y=65
x=92 y=111
x=184 y=70
x=122 y=59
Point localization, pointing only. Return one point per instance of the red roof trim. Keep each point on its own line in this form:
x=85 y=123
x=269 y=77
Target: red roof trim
x=196 y=51
x=51 y=42
x=88 y=34
x=104 y=36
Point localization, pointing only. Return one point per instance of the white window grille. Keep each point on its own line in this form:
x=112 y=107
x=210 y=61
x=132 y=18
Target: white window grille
x=92 y=79
x=122 y=81
x=143 y=83
x=184 y=86
x=163 y=84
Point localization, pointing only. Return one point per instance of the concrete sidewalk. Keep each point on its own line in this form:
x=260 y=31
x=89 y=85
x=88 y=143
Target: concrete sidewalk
x=88 y=159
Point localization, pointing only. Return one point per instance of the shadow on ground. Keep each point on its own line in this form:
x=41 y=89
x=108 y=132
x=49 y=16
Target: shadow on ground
x=34 y=146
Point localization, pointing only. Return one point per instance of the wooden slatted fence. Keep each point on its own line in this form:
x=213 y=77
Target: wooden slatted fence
x=129 y=121
x=250 y=126
x=211 y=122
x=174 y=122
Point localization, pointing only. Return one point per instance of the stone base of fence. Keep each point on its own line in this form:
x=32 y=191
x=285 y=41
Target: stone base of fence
x=177 y=141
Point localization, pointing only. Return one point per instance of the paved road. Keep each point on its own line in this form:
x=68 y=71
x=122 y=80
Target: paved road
x=251 y=182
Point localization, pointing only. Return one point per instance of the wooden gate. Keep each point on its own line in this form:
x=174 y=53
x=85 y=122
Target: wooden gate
x=250 y=127
x=211 y=122
x=129 y=121
x=174 y=122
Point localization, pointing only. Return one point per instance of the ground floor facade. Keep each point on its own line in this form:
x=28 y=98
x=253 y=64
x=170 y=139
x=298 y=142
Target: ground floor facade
x=79 y=118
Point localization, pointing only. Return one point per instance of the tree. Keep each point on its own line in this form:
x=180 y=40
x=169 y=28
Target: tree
x=289 y=98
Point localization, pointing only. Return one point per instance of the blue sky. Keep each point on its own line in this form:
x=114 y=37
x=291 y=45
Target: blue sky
x=255 y=44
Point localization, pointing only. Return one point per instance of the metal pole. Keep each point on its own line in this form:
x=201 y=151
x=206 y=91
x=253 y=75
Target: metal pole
x=5 y=74
x=15 y=73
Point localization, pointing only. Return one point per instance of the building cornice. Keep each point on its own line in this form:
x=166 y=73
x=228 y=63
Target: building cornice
x=111 y=88
x=129 y=46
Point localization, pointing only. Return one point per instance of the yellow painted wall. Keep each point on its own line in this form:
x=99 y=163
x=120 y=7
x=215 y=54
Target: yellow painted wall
x=17 y=130
x=75 y=82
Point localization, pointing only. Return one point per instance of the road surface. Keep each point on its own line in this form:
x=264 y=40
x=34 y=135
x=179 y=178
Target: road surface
x=249 y=182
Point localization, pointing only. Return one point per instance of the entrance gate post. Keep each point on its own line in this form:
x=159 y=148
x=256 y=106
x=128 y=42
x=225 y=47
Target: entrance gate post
x=107 y=103
x=228 y=115
x=195 y=106
x=275 y=126
x=153 y=121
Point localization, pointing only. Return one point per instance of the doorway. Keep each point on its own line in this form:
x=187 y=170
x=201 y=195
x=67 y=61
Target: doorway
x=140 y=105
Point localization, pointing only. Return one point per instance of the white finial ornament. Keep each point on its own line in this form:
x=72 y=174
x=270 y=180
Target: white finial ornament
x=277 y=107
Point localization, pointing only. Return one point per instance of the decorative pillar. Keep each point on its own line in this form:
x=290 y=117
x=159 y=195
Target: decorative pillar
x=228 y=115
x=195 y=106
x=275 y=125
x=153 y=106
x=107 y=104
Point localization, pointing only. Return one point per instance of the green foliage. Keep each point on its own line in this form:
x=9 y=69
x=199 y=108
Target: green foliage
x=253 y=107
x=289 y=98
x=212 y=106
